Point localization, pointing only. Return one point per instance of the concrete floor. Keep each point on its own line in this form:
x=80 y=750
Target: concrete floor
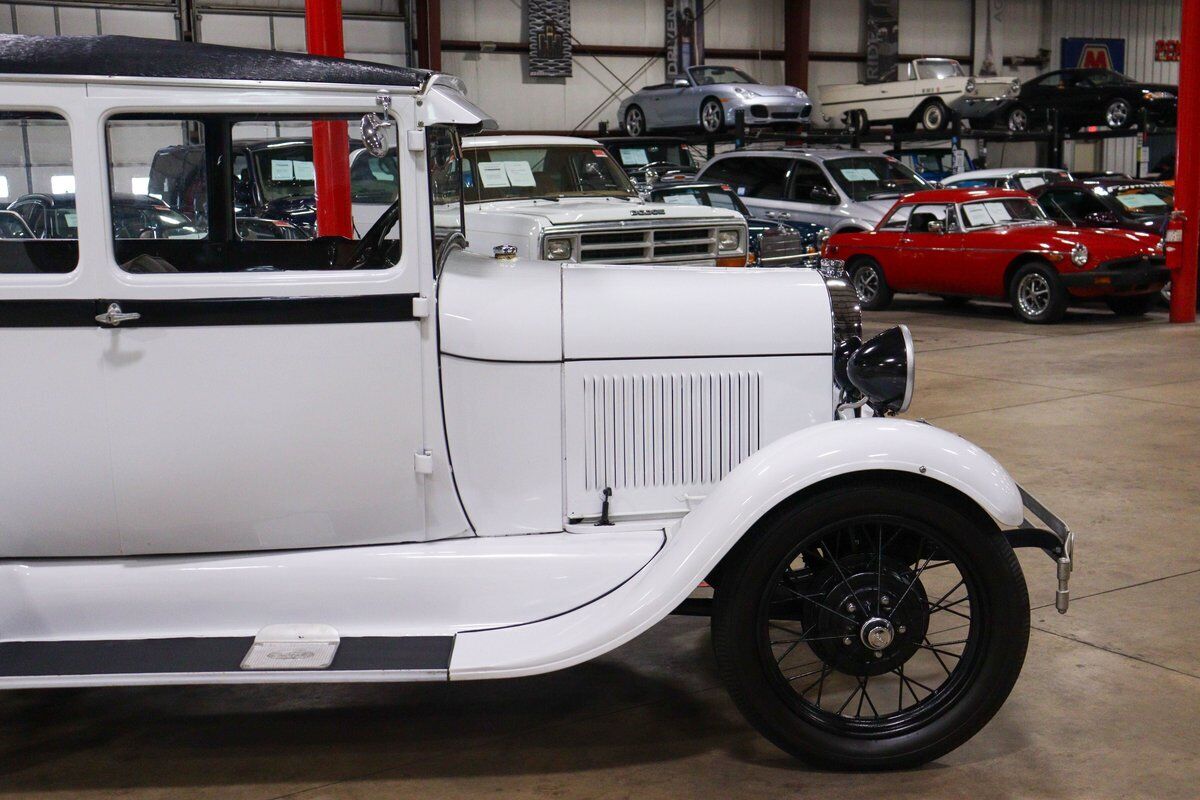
x=1097 y=416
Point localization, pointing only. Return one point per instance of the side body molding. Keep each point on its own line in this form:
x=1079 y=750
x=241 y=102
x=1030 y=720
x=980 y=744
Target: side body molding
x=700 y=539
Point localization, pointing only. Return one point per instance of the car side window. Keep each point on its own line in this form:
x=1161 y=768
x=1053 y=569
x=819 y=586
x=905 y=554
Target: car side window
x=1069 y=205
x=180 y=202
x=809 y=184
x=922 y=217
x=897 y=220
x=763 y=178
x=38 y=178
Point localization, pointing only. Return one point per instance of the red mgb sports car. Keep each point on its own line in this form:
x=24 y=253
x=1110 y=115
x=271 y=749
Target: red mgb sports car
x=998 y=243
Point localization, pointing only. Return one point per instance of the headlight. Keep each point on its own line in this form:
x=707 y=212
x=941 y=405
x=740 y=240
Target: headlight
x=1079 y=256
x=558 y=249
x=729 y=241
x=884 y=370
x=745 y=92
x=823 y=238
x=1158 y=95
x=1016 y=87
x=970 y=87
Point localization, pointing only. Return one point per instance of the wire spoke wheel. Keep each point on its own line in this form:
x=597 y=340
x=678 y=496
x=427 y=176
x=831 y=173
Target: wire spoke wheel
x=867 y=627
x=1033 y=294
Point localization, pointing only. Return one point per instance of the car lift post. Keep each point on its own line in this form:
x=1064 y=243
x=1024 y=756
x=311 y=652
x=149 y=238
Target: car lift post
x=1187 y=166
x=331 y=140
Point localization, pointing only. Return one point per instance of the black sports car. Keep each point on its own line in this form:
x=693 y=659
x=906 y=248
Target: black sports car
x=1086 y=97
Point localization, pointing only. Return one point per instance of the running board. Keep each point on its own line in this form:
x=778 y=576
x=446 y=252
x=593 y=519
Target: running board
x=214 y=660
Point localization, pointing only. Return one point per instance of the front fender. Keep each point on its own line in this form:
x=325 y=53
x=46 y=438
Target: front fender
x=704 y=536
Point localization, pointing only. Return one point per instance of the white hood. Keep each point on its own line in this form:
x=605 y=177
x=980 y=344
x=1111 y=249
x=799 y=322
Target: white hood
x=582 y=210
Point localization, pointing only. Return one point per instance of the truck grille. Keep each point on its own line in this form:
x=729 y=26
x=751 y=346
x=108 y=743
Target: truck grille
x=648 y=246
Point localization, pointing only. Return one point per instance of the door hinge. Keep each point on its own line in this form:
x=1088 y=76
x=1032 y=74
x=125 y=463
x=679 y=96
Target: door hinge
x=423 y=462
x=420 y=307
x=416 y=141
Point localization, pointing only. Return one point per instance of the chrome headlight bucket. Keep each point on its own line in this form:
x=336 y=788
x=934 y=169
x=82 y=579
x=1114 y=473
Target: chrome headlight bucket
x=970 y=86
x=1079 y=255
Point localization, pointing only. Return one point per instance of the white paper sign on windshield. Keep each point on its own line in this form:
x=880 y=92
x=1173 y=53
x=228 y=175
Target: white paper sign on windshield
x=1140 y=200
x=977 y=215
x=282 y=170
x=493 y=175
x=684 y=199
x=634 y=157
x=860 y=174
x=304 y=170
x=519 y=173
x=999 y=212
x=1031 y=182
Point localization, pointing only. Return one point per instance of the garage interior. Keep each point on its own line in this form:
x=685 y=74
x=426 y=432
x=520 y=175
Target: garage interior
x=1098 y=415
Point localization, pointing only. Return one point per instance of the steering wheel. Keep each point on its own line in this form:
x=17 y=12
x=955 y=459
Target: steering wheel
x=372 y=241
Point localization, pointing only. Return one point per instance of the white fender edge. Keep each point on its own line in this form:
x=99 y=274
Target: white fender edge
x=702 y=538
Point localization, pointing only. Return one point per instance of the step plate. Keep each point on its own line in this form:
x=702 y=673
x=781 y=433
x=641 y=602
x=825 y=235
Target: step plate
x=209 y=655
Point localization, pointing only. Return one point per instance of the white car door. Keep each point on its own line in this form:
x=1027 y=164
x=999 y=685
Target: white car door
x=266 y=395
x=56 y=495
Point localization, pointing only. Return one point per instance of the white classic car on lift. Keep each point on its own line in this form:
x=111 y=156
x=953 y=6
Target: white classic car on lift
x=926 y=90
x=389 y=459
x=567 y=199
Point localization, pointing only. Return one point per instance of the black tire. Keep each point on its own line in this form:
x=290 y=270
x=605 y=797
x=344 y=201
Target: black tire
x=1017 y=120
x=634 y=122
x=1118 y=114
x=1133 y=305
x=1037 y=295
x=712 y=116
x=868 y=280
x=791 y=551
x=858 y=121
x=934 y=116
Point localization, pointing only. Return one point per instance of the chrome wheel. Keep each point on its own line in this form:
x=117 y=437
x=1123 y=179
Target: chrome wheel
x=635 y=123
x=1033 y=295
x=1018 y=120
x=866 y=283
x=1117 y=114
x=1166 y=293
x=712 y=116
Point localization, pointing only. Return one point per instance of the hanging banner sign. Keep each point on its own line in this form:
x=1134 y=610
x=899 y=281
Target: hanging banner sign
x=883 y=39
x=1087 y=53
x=685 y=35
x=549 y=38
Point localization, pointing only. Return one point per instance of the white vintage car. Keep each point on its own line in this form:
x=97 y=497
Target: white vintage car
x=928 y=88
x=567 y=199
x=385 y=458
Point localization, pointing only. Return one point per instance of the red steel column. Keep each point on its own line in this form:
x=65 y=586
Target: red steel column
x=797 y=21
x=429 y=34
x=1187 y=171
x=331 y=139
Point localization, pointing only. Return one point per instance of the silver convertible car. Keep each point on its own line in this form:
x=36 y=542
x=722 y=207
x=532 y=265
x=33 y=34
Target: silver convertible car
x=708 y=98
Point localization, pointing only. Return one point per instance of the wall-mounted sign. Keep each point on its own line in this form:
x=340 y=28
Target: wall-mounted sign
x=1081 y=53
x=684 y=35
x=549 y=38
x=883 y=39
x=1166 y=50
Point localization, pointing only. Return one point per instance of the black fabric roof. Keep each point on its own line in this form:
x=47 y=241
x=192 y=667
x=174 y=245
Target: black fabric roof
x=134 y=57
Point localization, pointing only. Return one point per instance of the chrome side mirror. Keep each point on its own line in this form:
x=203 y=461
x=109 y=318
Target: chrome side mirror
x=374 y=126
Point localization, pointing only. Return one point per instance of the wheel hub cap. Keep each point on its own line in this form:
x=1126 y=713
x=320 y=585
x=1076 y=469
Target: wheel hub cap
x=877 y=633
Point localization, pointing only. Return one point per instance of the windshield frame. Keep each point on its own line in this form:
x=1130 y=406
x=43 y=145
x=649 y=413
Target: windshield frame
x=700 y=68
x=473 y=194
x=958 y=72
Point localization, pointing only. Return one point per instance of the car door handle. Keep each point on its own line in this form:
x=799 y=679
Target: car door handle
x=115 y=316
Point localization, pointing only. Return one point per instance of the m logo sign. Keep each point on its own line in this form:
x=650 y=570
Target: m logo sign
x=1080 y=53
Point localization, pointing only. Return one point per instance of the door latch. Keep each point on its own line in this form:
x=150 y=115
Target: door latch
x=115 y=316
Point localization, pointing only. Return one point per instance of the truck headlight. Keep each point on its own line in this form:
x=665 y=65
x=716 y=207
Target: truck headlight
x=970 y=87
x=1079 y=256
x=558 y=249
x=1016 y=87
x=729 y=241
